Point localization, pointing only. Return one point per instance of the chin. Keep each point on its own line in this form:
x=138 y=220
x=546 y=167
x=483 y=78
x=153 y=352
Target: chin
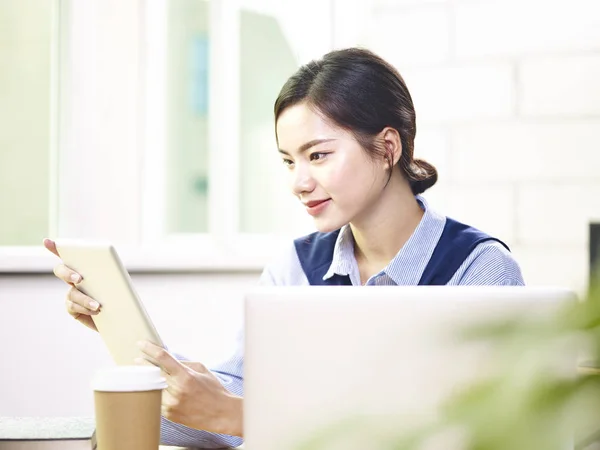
x=327 y=225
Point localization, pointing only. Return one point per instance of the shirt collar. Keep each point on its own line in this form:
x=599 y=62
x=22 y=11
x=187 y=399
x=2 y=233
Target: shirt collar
x=408 y=265
x=343 y=254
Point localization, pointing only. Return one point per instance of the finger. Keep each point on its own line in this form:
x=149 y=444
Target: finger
x=145 y=361
x=51 y=245
x=172 y=391
x=169 y=400
x=168 y=406
x=153 y=362
x=139 y=361
x=74 y=309
x=78 y=297
x=66 y=274
x=166 y=412
x=162 y=358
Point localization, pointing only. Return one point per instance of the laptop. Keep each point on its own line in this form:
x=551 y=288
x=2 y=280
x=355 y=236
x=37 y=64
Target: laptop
x=329 y=363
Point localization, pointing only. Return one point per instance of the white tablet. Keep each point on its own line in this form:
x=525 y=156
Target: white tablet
x=122 y=320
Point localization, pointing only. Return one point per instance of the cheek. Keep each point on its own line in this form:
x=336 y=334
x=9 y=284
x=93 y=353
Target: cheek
x=289 y=178
x=351 y=181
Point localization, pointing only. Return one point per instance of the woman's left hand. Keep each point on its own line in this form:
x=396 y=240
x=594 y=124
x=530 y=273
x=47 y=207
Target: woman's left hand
x=194 y=396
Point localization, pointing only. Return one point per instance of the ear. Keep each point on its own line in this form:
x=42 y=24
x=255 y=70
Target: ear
x=392 y=145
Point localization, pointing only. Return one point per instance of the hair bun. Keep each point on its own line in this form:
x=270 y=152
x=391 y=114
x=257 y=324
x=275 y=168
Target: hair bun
x=422 y=175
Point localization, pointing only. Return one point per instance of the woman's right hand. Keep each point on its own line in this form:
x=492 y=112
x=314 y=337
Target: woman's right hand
x=79 y=305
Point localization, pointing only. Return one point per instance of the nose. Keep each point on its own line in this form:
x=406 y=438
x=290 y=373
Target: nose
x=301 y=181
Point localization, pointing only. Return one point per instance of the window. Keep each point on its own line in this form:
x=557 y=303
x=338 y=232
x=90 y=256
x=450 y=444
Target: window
x=213 y=150
x=266 y=61
x=186 y=116
x=27 y=119
x=161 y=136
x=274 y=42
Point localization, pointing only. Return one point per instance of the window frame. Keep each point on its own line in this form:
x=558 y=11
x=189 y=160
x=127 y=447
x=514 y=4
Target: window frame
x=80 y=125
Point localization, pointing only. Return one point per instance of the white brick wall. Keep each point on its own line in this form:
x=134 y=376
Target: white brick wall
x=554 y=265
x=557 y=213
x=525 y=27
x=508 y=108
x=420 y=36
x=526 y=150
x=560 y=86
x=462 y=92
x=489 y=208
x=431 y=144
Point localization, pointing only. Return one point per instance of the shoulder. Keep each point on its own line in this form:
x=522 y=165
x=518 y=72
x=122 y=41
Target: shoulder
x=313 y=249
x=284 y=269
x=490 y=263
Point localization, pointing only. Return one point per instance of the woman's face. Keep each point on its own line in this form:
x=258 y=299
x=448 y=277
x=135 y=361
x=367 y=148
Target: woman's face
x=329 y=172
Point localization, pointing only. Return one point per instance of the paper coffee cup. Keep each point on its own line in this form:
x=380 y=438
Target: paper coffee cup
x=127 y=403
x=128 y=379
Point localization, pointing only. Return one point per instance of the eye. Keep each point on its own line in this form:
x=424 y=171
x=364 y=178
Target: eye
x=317 y=156
x=287 y=162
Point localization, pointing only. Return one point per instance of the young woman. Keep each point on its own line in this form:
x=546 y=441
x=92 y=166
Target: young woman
x=345 y=129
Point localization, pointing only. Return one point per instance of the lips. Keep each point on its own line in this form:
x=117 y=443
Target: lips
x=316 y=207
x=314 y=203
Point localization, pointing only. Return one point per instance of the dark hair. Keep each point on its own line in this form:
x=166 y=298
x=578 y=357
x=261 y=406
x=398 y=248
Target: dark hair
x=363 y=94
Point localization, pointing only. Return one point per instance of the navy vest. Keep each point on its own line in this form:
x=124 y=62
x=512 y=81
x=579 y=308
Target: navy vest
x=456 y=243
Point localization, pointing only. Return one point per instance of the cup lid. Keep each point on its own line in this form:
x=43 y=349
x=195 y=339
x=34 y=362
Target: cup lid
x=128 y=378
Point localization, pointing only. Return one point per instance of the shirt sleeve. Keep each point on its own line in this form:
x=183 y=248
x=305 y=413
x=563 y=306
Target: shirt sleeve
x=231 y=375
x=283 y=270
x=489 y=264
x=175 y=434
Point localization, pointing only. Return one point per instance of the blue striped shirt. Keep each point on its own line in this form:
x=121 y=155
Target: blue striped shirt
x=488 y=264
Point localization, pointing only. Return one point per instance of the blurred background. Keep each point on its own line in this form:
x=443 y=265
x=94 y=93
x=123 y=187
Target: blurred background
x=149 y=123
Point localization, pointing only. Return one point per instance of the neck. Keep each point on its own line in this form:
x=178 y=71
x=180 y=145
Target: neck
x=384 y=229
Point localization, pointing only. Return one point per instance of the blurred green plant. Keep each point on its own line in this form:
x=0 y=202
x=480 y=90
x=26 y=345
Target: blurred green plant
x=527 y=405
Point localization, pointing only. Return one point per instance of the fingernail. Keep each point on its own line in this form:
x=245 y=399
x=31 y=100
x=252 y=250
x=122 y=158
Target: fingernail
x=94 y=305
x=74 y=278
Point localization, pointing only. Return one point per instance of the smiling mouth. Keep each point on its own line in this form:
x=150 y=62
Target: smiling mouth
x=314 y=203
x=316 y=207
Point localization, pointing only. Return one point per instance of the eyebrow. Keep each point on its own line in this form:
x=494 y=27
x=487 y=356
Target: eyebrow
x=308 y=145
